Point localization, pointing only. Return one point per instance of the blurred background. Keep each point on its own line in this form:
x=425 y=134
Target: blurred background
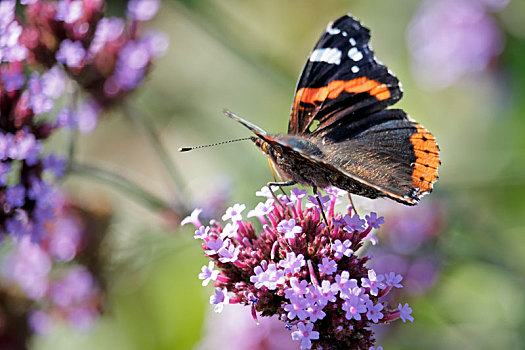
x=462 y=65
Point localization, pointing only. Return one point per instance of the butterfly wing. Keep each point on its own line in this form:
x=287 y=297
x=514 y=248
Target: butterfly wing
x=341 y=80
x=387 y=150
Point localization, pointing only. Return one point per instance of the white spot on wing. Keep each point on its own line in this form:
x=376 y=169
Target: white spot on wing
x=355 y=54
x=345 y=33
x=327 y=55
x=331 y=30
x=355 y=69
x=352 y=41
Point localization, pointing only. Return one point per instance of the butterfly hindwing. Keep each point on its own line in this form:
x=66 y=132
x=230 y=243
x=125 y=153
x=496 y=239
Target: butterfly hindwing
x=341 y=80
x=392 y=153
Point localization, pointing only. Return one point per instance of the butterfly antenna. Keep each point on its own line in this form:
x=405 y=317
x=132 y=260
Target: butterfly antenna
x=186 y=149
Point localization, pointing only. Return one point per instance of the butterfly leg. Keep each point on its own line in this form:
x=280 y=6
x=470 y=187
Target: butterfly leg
x=280 y=185
x=316 y=194
x=274 y=177
x=352 y=203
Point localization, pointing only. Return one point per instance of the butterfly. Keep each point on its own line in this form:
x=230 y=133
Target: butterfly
x=340 y=132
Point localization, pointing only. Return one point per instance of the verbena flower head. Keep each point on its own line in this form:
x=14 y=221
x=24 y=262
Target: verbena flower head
x=295 y=267
x=107 y=56
x=46 y=279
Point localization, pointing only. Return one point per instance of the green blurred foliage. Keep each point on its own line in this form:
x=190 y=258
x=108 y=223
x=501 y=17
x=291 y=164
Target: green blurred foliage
x=245 y=56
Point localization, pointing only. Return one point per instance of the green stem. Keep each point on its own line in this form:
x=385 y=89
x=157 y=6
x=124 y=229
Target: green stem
x=126 y=186
x=147 y=128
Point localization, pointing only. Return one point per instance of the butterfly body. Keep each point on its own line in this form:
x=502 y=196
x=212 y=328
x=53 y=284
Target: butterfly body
x=341 y=132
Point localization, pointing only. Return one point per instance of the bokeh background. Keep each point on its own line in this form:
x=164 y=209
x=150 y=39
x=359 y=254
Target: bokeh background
x=462 y=65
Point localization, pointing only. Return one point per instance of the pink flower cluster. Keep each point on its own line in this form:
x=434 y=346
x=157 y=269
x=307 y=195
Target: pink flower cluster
x=312 y=276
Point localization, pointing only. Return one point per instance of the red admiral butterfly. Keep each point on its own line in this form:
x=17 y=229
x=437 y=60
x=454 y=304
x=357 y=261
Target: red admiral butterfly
x=340 y=132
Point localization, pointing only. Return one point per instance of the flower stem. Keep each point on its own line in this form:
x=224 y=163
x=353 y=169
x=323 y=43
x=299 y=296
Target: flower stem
x=126 y=186
x=146 y=127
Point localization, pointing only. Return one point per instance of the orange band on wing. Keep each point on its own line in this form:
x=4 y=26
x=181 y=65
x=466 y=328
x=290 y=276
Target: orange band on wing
x=336 y=87
x=425 y=171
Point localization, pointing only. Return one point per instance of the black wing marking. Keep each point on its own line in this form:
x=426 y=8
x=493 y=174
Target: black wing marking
x=341 y=80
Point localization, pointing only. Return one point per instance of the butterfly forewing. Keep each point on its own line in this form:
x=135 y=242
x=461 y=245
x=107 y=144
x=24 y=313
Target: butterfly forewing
x=341 y=80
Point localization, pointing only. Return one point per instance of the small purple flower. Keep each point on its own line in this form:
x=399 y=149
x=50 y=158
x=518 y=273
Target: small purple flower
x=7 y=12
x=336 y=192
x=344 y=284
x=405 y=313
x=193 y=218
x=65 y=119
x=269 y=278
x=327 y=292
x=86 y=116
x=208 y=273
x=201 y=232
x=392 y=280
x=234 y=213
x=5 y=168
x=315 y=312
x=327 y=266
x=55 y=164
x=15 y=196
x=40 y=322
x=374 y=221
x=25 y=148
x=75 y=287
x=313 y=202
x=341 y=248
x=296 y=288
x=214 y=246
x=130 y=68
x=229 y=230
x=219 y=299
x=297 y=194
x=53 y=82
x=10 y=30
x=262 y=209
x=292 y=264
x=265 y=192
x=157 y=43
x=143 y=10
x=374 y=313
x=305 y=334
x=228 y=252
x=296 y=308
x=28 y=265
x=108 y=29
x=69 y=11
x=374 y=282
x=354 y=223
x=354 y=307
x=289 y=228
x=71 y=53
x=12 y=79
x=65 y=240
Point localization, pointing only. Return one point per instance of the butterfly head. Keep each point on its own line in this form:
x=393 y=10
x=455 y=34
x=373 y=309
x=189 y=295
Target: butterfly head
x=269 y=150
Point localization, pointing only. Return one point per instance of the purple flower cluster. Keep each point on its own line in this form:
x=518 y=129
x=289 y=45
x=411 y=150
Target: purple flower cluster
x=43 y=272
x=54 y=45
x=449 y=39
x=11 y=50
x=297 y=268
x=28 y=198
x=106 y=56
